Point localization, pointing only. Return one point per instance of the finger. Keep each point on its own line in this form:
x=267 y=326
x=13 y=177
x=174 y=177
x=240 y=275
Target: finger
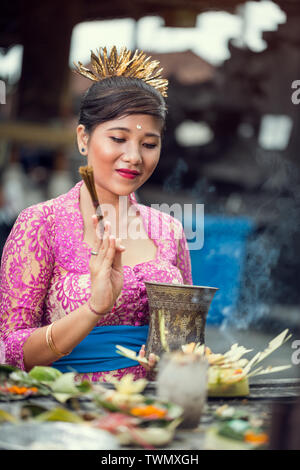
x=102 y=252
x=117 y=261
x=119 y=246
x=98 y=235
x=100 y=247
x=110 y=251
x=142 y=351
x=141 y=355
x=99 y=226
x=112 y=257
x=106 y=230
x=152 y=360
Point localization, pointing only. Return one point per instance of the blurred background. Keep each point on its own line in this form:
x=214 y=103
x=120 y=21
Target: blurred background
x=232 y=140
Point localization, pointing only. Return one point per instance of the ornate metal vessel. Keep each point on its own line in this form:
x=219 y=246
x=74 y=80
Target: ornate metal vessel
x=177 y=315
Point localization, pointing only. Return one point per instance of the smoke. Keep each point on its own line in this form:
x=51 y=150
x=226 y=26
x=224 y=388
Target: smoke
x=174 y=182
x=256 y=285
x=272 y=267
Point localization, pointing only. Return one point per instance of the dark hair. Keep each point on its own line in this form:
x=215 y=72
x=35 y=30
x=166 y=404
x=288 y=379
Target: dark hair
x=116 y=97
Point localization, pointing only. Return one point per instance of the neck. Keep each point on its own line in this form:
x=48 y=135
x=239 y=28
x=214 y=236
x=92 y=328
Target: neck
x=114 y=208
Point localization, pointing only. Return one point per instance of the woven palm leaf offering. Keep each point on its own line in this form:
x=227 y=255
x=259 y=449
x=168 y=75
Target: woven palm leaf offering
x=136 y=418
x=228 y=373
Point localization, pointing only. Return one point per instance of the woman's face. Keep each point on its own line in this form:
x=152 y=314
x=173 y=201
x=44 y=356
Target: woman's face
x=123 y=152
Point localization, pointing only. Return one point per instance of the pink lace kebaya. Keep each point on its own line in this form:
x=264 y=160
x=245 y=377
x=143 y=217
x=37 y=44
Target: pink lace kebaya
x=45 y=273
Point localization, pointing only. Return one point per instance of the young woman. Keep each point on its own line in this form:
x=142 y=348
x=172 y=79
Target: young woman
x=68 y=292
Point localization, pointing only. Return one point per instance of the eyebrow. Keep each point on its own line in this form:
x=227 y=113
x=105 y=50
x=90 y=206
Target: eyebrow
x=148 y=134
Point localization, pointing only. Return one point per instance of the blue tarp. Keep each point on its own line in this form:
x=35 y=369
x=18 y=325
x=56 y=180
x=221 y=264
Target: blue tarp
x=221 y=260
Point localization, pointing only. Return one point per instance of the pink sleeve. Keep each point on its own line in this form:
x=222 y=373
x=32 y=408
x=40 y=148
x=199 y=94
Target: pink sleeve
x=26 y=268
x=184 y=259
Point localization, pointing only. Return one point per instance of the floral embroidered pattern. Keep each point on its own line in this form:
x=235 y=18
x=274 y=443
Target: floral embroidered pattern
x=44 y=273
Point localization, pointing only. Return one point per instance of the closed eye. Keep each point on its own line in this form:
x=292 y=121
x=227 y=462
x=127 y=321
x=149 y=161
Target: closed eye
x=120 y=141
x=115 y=139
x=150 y=146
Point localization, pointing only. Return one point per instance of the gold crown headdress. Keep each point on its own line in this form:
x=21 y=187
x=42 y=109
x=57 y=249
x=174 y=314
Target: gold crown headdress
x=138 y=66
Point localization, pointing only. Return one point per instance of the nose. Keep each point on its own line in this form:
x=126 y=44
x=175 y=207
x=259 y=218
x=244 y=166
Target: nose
x=133 y=155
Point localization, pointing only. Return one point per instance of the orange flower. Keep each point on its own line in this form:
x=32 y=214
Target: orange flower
x=256 y=438
x=17 y=390
x=238 y=371
x=21 y=390
x=148 y=411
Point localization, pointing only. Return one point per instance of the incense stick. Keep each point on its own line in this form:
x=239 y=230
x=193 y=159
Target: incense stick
x=87 y=175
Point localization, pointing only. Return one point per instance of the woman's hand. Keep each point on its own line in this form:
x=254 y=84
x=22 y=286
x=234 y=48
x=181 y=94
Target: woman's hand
x=152 y=360
x=106 y=270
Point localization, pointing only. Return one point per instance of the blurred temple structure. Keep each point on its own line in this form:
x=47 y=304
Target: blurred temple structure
x=232 y=142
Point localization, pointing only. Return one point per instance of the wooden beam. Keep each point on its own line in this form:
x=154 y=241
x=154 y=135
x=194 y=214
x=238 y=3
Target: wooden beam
x=43 y=91
x=12 y=16
x=37 y=134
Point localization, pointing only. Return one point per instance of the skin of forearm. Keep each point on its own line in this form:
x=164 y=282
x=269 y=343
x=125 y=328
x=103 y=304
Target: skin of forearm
x=67 y=332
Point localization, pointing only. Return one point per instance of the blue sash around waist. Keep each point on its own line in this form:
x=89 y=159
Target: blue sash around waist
x=97 y=351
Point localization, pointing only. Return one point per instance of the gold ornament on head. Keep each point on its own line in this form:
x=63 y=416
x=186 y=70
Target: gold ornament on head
x=137 y=66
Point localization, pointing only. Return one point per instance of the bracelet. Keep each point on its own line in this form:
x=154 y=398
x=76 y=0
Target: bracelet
x=93 y=310
x=51 y=344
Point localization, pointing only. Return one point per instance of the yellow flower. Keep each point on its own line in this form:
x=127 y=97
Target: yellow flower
x=127 y=386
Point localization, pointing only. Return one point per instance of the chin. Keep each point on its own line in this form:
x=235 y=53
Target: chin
x=126 y=190
x=123 y=191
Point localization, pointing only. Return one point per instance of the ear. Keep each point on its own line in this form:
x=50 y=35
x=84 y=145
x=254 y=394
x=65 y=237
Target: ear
x=82 y=139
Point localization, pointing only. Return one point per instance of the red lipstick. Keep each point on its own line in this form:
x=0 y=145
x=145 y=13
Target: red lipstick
x=131 y=174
